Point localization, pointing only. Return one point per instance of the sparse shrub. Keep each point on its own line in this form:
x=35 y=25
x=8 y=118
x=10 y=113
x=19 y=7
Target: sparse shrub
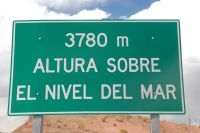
x=146 y=120
x=104 y=118
x=59 y=126
x=119 y=120
x=139 y=117
x=81 y=125
x=129 y=117
x=123 y=131
x=48 y=124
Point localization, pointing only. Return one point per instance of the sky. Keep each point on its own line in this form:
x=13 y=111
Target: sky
x=105 y=9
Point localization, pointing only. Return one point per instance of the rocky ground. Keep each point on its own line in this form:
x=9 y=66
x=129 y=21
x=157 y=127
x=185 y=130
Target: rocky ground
x=103 y=124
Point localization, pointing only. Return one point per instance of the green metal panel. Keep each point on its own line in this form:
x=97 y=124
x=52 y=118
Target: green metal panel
x=139 y=60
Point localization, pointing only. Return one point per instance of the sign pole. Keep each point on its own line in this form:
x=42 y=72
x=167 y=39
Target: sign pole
x=37 y=124
x=155 y=123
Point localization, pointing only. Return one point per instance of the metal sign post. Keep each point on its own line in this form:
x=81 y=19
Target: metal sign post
x=37 y=124
x=155 y=123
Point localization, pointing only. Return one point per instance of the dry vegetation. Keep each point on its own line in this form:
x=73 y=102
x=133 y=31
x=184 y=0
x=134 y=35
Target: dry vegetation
x=103 y=124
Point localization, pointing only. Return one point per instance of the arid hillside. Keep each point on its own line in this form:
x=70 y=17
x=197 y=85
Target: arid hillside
x=103 y=124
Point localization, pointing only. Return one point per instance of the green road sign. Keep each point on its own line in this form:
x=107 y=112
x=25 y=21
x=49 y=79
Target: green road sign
x=83 y=67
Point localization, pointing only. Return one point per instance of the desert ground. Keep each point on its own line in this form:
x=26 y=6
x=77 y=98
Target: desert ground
x=103 y=124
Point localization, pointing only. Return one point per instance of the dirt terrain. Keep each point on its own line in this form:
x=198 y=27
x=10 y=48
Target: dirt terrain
x=103 y=124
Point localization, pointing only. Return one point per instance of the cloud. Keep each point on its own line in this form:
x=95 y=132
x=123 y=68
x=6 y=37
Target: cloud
x=70 y=5
x=117 y=8
x=90 y=14
x=187 y=12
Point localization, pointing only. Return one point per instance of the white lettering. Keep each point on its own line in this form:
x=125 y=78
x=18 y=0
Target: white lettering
x=159 y=92
x=51 y=91
x=58 y=61
x=133 y=65
x=67 y=65
x=146 y=93
x=114 y=91
x=20 y=92
x=39 y=66
x=170 y=89
x=103 y=88
x=144 y=63
x=122 y=65
x=91 y=65
x=48 y=70
x=110 y=63
x=154 y=64
x=58 y=91
x=27 y=89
